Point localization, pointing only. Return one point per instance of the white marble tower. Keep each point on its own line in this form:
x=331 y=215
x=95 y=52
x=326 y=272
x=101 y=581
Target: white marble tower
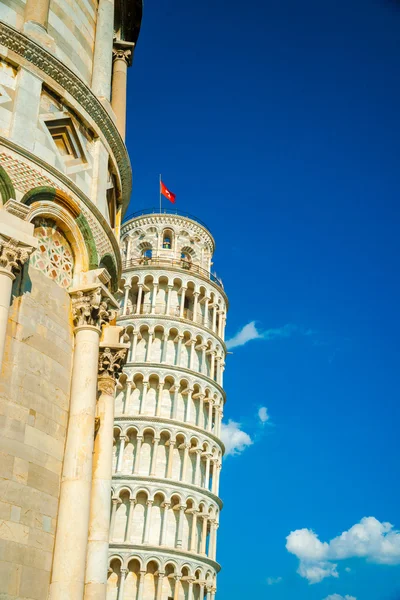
x=168 y=412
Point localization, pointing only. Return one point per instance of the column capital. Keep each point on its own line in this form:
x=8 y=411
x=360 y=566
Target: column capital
x=92 y=306
x=123 y=52
x=111 y=361
x=116 y=500
x=124 y=571
x=128 y=286
x=166 y=504
x=13 y=255
x=150 y=502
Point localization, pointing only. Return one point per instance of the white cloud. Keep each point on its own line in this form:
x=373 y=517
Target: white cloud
x=234 y=438
x=370 y=539
x=274 y=580
x=251 y=332
x=339 y=597
x=263 y=414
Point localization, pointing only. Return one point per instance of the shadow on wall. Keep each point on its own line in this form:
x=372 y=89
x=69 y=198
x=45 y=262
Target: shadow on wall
x=22 y=283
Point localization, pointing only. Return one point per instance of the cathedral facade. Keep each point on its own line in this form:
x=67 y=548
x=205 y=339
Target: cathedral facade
x=111 y=336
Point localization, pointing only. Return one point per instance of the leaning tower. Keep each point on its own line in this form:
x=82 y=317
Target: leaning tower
x=168 y=412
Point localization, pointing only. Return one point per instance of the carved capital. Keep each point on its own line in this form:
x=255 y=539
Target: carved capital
x=13 y=254
x=121 y=53
x=89 y=307
x=111 y=361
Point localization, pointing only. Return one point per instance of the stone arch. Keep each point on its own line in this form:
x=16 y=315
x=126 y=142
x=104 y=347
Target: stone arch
x=7 y=190
x=46 y=195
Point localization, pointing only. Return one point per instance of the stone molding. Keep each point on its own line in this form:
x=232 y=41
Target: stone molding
x=149 y=270
x=148 y=480
x=176 y=426
x=170 y=321
x=30 y=51
x=148 y=368
x=127 y=549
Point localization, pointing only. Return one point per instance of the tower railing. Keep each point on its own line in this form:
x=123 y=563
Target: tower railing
x=171 y=262
x=163 y=211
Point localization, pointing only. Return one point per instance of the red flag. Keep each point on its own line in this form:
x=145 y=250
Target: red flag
x=167 y=193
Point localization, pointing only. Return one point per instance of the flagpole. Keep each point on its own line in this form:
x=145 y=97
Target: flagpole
x=160 y=192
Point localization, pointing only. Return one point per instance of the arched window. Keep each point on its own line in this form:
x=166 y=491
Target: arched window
x=148 y=253
x=167 y=239
x=186 y=256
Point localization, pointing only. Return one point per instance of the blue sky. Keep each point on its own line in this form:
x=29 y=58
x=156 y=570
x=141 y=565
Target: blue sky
x=277 y=122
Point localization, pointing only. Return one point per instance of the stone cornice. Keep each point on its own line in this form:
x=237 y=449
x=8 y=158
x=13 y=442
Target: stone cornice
x=164 y=551
x=177 y=424
x=150 y=480
x=153 y=366
x=176 y=320
x=74 y=189
x=36 y=55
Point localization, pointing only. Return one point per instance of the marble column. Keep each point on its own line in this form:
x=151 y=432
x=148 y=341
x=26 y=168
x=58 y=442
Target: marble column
x=182 y=303
x=90 y=311
x=14 y=252
x=149 y=345
x=111 y=360
x=139 y=299
x=179 y=351
x=212 y=366
x=185 y=461
x=176 y=588
x=159 y=398
x=169 y=289
x=166 y=507
x=210 y=415
x=204 y=535
x=103 y=49
x=153 y=466
x=197 y=478
x=142 y=404
x=170 y=458
x=214 y=318
x=122 y=441
x=126 y=297
x=132 y=503
x=134 y=346
x=147 y=522
x=207 y=473
x=164 y=348
x=179 y=538
x=122 y=58
x=141 y=585
x=192 y=353
x=195 y=305
x=193 y=536
x=38 y=12
x=136 y=463
x=124 y=573
x=190 y=591
x=154 y=298
x=115 y=503
x=160 y=581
